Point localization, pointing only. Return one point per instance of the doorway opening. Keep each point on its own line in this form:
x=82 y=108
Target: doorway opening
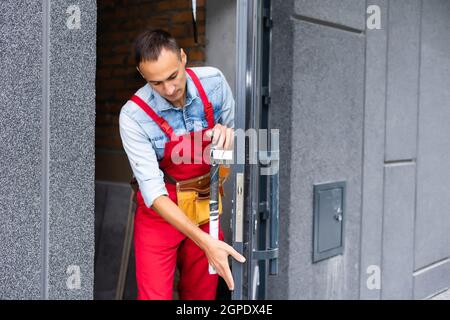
x=119 y=22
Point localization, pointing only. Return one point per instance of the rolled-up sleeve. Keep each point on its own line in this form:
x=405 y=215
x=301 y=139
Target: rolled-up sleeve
x=228 y=104
x=142 y=158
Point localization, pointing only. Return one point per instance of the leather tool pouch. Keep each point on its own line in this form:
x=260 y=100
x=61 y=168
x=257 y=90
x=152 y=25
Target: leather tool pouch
x=193 y=195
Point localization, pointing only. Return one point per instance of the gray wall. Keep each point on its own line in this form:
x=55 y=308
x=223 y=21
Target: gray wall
x=370 y=107
x=20 y=164
x=317 y=88
x=47 y=160
x=432 y=223
x=411 y=134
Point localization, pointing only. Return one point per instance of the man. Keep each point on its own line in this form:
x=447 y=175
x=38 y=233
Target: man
x=175 y=102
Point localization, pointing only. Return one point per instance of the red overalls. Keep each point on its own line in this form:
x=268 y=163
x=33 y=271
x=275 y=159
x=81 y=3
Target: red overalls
x=160 y=247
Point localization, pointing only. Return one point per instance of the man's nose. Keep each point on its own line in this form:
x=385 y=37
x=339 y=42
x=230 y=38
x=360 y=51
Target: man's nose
x=169 y=88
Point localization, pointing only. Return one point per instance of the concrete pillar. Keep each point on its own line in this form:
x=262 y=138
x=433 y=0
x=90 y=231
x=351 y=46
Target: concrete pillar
x=47 y=125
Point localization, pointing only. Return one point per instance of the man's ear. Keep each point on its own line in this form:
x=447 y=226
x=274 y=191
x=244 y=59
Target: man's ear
x=183 y=57
x=137 y=68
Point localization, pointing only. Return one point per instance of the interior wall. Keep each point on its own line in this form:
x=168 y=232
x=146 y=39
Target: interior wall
x=220 y=44
x=220 y=50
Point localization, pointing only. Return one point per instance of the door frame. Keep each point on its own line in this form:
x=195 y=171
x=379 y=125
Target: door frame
x=254 y=223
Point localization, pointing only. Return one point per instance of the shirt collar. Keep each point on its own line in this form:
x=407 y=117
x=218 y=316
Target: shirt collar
x=161 y=104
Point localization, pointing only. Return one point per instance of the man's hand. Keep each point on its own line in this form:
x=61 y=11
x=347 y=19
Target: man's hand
x=217 y=253
x=222 y=137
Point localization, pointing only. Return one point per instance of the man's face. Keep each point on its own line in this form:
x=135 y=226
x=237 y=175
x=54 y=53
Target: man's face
x=167 y=75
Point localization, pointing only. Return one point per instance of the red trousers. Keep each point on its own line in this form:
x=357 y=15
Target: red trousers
x=159 y=249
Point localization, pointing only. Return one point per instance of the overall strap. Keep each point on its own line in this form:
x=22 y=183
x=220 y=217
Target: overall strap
x=165 y=127
x=207 y=106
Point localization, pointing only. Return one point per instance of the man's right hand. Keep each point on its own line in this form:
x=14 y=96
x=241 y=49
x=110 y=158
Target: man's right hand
x=215 y=250
x=217 y=253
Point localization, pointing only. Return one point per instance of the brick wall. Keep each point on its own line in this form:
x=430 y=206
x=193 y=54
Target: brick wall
x=119 y=22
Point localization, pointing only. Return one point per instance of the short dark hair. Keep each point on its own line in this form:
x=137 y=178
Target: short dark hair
x=149 y=44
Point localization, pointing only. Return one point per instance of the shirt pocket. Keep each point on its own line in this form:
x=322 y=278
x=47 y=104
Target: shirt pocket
x=198 y=123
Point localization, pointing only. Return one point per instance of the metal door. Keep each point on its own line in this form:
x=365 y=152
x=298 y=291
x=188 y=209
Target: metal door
x=255 y=207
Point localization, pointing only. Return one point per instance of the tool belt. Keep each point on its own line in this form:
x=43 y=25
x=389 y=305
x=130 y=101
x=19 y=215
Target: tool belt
x=193 y=194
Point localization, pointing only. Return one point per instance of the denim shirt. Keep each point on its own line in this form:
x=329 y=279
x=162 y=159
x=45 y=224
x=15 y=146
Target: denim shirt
x=143 y=140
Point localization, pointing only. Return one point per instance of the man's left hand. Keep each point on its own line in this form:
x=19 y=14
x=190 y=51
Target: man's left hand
x=223 y=137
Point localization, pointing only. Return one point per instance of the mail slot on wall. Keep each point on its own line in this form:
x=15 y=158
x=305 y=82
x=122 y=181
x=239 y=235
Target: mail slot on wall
x=329 y=217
